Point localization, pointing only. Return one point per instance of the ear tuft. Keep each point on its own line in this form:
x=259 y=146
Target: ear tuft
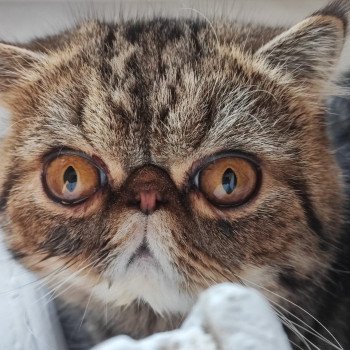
x=339 y=9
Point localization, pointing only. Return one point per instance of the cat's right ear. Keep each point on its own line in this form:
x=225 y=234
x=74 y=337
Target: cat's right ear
x=308 y=52
x=15 y=63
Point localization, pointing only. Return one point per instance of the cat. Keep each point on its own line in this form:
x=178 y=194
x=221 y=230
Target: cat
x=152 y=158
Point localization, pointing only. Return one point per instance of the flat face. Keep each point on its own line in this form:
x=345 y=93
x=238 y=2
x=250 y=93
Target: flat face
x=150 y=160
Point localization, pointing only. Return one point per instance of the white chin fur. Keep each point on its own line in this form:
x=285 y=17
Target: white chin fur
x=149 y=279
x=162 y=294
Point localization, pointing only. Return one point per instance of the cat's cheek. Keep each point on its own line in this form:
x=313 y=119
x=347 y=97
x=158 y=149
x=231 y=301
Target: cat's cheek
x=74 y=282
x=262 y=278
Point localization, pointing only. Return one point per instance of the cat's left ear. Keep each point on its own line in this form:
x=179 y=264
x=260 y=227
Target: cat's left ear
x=309 y=51
x=15 y=64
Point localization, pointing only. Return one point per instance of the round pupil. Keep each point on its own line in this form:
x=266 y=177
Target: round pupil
x=229 y=181
x=70 y=179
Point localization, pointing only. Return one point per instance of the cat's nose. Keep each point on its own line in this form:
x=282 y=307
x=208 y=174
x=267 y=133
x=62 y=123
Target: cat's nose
x=148 y=189
x=149 y=201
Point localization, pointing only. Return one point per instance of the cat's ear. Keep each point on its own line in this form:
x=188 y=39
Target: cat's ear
x=309 y=51
x=15 y=62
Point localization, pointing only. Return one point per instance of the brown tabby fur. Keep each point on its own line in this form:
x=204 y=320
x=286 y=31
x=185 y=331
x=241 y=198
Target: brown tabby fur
x=151 y=100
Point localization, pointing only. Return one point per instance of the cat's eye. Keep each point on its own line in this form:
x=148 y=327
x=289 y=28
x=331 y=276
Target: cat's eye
x=228 y=181
x=71 y=178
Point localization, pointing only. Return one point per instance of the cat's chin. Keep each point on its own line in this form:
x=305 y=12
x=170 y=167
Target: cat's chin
x=145 y=281
x=143 y=272
x=162 y=294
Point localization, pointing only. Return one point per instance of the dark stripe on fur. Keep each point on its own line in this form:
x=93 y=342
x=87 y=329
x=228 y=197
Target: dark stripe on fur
x=300 y=189
x=108 y=53
x=60 y=242
x=16 y=255
x=6 y=189
x=288 y=277
x=225 y=228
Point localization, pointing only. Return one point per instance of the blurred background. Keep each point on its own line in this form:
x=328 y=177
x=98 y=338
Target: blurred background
x=21 y=20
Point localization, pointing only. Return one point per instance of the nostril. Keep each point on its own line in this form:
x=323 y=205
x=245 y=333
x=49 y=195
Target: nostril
x=161 y=199
x=134 y=202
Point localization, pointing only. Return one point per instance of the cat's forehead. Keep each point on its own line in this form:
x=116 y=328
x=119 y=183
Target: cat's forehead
x=157 y=92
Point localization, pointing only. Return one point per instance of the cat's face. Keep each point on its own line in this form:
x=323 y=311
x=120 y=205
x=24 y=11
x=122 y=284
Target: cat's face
x=151 y=160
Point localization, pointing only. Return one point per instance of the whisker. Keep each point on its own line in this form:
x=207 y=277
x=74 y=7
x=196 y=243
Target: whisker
x=309 y=329
x=37 y=280
x=60 y=284
x=45 y=282
x=87 y=305
x=289 y=325
x=299 y=307
x=206 y=19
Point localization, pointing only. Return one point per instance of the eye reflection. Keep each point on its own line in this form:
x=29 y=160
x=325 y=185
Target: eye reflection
x=229 y=181
x=70 y=179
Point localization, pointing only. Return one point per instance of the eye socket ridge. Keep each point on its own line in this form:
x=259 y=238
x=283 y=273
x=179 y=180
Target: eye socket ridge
x=227 y=179
x=71 y=177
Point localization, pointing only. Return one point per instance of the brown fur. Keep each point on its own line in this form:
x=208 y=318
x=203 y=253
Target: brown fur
x=150 y=100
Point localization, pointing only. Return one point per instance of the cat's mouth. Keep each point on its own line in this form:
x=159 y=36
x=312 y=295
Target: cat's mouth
x=142 y=253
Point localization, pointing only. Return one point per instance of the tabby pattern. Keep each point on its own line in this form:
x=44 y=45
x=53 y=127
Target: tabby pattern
x=151 y=101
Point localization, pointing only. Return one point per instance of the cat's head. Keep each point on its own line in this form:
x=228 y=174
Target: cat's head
x=151 y=159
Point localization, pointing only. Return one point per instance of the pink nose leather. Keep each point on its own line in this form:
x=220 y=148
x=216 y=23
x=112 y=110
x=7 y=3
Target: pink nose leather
x=149 y=201
x=148 y=189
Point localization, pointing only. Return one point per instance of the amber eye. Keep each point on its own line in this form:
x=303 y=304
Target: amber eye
x=228 y=180
x=71 y=179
